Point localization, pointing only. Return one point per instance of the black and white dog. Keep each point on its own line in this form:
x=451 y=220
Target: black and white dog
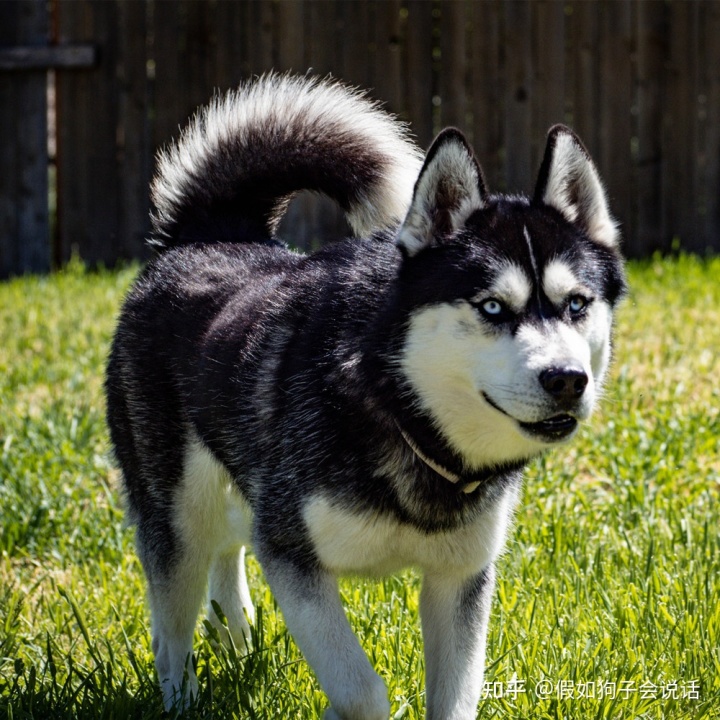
x=361 y=409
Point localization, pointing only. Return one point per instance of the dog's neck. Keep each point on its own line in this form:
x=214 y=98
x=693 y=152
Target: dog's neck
x=437 y=467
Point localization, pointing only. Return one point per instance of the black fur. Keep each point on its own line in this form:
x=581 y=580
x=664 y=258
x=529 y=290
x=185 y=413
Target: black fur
x=285 y=366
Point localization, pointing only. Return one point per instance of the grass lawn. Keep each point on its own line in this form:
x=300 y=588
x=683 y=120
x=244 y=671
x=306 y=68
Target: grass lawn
x=608 y=599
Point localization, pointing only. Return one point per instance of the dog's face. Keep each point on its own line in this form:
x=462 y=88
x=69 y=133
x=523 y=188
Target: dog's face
x=509 y=342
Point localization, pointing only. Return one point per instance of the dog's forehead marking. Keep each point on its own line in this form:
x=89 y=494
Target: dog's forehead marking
x=559 y=281
x=533 y=263
x=531 y=250
x=513 y=286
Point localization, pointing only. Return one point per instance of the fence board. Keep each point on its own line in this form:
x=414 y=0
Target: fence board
x=486 y=81
x=638 y=80
x=24 y=216
x=651 y=52
x=517 y=42
x=231 y=28
x=616 y=101
x=134 y=140
x=387 y=72
x=680 y=136
x=710 y=182
x=418 y=68
x=453 y=89
x=585 y=51
x=548 y=101
x=89 y=173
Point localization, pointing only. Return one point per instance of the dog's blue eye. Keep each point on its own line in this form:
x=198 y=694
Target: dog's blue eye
x=492 y=308
x=577 y=304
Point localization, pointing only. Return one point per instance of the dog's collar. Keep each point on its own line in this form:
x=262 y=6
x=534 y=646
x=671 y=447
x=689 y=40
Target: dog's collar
x=437 y=467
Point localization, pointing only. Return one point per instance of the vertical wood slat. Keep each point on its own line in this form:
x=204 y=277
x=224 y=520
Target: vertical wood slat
x=183 y=49
x=231 y=31
x=517 y=41
x=89 y=174
x=387 y=71
x=418 y=69
x=680 y=131
x=710 y=183
x=548 y=101
x=649 y=165
x=616 y=100
x=24 y=215
x=134 y=140
x=585 y=81
x=453 y=88
x=487 y=83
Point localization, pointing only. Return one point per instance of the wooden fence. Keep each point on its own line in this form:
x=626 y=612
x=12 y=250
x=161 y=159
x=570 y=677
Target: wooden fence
x=638 y=80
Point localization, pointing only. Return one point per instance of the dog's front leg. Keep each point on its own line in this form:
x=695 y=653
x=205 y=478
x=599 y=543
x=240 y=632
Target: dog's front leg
x=314 y=615
x=454 y=612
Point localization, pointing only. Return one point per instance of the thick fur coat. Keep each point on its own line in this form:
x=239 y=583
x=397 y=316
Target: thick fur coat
x=367 y=407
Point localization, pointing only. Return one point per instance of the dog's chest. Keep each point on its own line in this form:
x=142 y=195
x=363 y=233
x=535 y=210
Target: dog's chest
x=368 y=543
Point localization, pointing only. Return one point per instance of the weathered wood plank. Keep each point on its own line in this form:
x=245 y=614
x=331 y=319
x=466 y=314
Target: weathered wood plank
x=418 y=69
x=519 y=94
x=651 y=53
x=388 y=72
x=584 y=74
x=24 y=216
x=615 y=116
x=548 y=100
x=44 y=58
x=680 y=190
x=134 y=141
x=453 y=89
x=88 y=171
x=487 y=88
x=710 y=112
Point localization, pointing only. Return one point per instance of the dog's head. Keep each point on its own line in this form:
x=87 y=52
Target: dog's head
x=509 y=300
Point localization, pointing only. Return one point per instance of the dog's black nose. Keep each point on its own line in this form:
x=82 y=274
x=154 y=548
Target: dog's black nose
x=565 y=384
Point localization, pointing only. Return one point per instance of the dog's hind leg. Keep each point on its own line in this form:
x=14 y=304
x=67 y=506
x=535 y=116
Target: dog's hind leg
x=175 y=601
x=229 y=589
x=199 y=523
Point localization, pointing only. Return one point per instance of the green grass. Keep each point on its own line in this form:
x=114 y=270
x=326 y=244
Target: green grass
x=612 y=574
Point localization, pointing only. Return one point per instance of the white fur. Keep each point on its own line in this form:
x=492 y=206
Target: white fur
x=454 y=649
x=559 y=282
x=368 y=544
x=448 y=358
x=511 y=285
x=451 y=360
x=270 y=103
x=213 y=523
x=315 y=618
x=574 y=188
x=365 y=543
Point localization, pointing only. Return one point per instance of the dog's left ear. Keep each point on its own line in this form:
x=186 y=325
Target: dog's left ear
x=449 y=188
x=569 y=182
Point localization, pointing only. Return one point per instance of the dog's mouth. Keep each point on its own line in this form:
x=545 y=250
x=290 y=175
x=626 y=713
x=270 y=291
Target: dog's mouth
x=552 y=429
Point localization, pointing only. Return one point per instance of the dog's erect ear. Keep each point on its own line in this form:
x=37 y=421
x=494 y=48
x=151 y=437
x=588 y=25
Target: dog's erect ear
x=449 y=188
x=569 y=182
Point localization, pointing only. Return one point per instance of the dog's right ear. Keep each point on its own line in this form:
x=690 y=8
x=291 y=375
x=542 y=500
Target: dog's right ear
x=569 y=182
x=448 y=190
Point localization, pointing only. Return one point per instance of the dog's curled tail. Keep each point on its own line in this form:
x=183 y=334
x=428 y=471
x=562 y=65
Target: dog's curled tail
x=233 y=170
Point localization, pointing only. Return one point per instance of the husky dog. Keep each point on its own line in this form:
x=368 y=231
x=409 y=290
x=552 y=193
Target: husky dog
x=361 y=409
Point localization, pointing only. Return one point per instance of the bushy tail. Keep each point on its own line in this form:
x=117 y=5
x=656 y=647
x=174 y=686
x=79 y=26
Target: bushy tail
x=232 y=172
